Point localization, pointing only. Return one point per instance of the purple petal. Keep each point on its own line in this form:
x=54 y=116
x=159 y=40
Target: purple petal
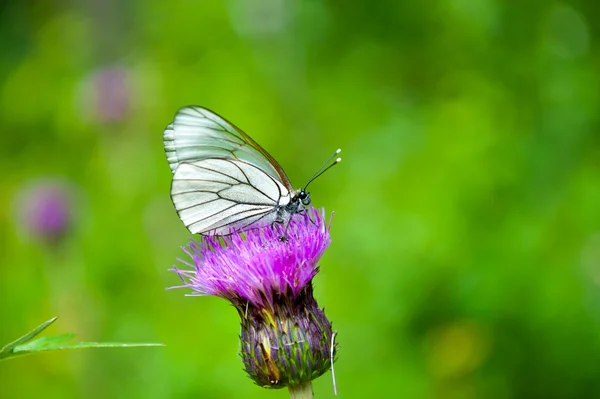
x=255 y=265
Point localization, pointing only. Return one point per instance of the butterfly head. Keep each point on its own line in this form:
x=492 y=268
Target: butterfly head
x=304 y=197
x=300 y=200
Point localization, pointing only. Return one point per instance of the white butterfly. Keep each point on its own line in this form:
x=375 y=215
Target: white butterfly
x=223 y=180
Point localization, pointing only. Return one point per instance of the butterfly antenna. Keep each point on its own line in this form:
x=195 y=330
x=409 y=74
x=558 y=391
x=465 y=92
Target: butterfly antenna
x=326 y=166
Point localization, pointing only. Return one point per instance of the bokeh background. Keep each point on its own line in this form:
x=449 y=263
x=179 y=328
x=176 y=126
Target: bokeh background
x=465 y=260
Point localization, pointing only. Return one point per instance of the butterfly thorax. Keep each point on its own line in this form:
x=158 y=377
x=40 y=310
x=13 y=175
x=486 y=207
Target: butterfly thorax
x=299 y=201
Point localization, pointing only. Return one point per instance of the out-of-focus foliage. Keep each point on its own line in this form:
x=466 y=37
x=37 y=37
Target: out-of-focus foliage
x=466 y=241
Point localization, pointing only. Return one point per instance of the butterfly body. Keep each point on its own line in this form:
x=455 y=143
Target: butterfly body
x=222 y=179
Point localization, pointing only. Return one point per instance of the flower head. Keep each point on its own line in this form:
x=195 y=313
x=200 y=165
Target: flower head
x=111 y=86
x=286 y=338
x=46 y=209
x=106 y=94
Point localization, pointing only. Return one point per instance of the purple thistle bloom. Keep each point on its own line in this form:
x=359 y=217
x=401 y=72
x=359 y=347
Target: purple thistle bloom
x=106 y=94
x=260 y=263
x=46 y=209
x=286 y=338
x=112 y=94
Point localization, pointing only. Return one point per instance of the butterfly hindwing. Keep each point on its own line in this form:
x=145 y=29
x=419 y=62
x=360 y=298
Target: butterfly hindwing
x=215 y=195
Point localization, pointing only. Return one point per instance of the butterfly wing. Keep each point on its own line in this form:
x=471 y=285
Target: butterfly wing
x=222 y=179
x=198 y=133
x=212 y=196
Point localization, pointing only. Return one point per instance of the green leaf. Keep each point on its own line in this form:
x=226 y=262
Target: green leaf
x=8 y=349
x=28 y=345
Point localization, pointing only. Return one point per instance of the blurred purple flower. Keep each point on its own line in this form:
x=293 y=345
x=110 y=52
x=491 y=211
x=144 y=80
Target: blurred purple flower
x=111 y=88
x=106 y=94
x=46 y=209
x=286 y=338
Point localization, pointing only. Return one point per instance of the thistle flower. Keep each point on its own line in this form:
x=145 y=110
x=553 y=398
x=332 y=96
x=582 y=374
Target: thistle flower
x=286 y=340
x=106 y=94
x=112 y=96
x=45 y=209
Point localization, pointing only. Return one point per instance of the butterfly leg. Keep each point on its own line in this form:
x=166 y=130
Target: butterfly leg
x=304 y=212
x=283 y=217
x=287 y=222
x=280 y=221
x=284 y=238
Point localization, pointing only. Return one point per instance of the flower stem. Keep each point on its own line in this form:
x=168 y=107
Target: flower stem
x=302 y=391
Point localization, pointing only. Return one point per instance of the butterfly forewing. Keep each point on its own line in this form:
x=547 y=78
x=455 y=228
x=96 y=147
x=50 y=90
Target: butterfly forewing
x=197 y=133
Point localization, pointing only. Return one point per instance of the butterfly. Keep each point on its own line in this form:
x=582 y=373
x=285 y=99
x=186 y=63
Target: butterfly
x=223 y=180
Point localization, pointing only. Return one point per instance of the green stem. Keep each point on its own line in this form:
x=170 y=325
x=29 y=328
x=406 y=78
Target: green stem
x=302 y=391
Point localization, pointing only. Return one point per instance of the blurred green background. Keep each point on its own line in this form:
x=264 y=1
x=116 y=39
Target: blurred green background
x=465 y=260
